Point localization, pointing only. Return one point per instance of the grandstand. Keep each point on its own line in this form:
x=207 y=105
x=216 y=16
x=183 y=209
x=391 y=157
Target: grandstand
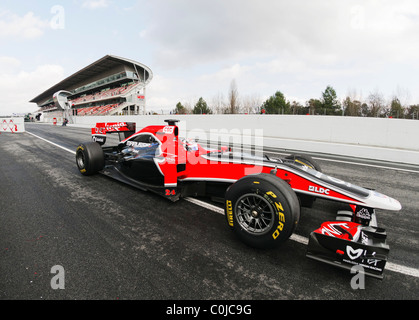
x=110 y=86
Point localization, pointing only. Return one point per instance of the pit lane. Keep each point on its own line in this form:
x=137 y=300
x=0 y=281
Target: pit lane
x=116 y=242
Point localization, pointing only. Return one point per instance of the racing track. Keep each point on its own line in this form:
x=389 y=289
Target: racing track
x=116 y=242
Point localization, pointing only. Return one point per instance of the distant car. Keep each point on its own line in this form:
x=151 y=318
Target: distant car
x=261 y=195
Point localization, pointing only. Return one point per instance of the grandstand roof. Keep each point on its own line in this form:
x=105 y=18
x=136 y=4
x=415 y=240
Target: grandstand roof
x=97 y=67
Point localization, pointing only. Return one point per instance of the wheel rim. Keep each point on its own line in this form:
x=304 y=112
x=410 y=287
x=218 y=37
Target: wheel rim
x=80 y=160
x=254 y=214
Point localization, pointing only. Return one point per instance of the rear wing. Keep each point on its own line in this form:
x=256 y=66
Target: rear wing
x=124 y=129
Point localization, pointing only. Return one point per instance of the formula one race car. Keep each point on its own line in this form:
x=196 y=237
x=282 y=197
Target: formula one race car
x=261 y=195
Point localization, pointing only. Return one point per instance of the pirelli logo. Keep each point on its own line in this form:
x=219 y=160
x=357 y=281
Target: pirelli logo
x=229 y=212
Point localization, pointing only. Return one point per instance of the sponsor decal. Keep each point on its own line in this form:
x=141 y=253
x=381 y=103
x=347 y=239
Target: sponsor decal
x=98 y=139
x=229 y=209
x=136 y=144
x=102 y=128
x=281 y=220
x=168 y=129
x=357 y=256
x=318 y=190
x=115 y=125
x=270 y=193
x=363 y=214
x=353 y=254
x=364 y=238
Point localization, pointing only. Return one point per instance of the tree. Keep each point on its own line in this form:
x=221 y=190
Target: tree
x=201 y=107
x=233 y=98
x=251 y=104
x=180 y=109
x=413 y=112
x=218 y=104
x=330 y=102
x=298 y=108
x=276 y=104
x=351 y=107
x=376 y=104
x=396 y=109
x=314 y=106
x=364 y=110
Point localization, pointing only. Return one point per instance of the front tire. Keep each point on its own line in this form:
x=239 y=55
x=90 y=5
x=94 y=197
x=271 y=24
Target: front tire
x=262 y=210
x=89 y=158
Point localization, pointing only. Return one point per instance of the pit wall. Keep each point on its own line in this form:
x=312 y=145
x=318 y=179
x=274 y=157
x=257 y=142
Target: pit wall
x=395 y=140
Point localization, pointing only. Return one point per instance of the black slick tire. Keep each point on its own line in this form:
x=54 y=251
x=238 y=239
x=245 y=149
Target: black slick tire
x=305 y=160
x=306 y=201
x=262 y=210
x=89 y=158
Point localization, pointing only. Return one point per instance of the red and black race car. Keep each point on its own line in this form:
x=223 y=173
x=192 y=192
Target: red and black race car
x=262 y=195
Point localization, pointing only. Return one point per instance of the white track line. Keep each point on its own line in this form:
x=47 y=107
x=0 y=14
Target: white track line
x=389 y=265
x=54 y=144
x=350 y=162
x=205 y=205
x=367 y=165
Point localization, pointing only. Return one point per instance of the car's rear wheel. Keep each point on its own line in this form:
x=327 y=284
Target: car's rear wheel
x=90 y=158
x=305 y=160
x=262 y=210
x=305 y=200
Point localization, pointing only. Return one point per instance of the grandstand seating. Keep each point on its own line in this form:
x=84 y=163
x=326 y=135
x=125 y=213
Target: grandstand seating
x=106 y=94
x=98 y=110
x=48 y=108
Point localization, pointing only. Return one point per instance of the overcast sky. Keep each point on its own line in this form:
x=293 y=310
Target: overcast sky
x=195 y=48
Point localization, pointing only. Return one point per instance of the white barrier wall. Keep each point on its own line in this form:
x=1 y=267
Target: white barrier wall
x=395 y=140
x=12 y=125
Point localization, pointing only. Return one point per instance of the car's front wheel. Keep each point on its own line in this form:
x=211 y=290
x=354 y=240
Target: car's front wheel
x=262 y=210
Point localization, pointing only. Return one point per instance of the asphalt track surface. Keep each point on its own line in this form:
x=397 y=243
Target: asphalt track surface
x=115 y=242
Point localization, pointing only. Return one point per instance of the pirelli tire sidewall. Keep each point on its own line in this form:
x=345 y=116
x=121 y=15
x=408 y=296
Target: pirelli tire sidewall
x=90 y=158
x=270 y=191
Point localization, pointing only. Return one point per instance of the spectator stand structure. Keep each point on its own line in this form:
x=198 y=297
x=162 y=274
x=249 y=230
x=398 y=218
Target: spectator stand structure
x=110 y=86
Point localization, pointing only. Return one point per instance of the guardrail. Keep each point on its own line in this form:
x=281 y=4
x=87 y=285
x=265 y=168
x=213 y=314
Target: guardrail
x=395 y=140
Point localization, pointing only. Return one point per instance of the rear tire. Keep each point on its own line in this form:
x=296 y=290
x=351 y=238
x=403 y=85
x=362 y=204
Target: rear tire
x=90 y=158
x=305 y=160
x=306 y=201
x=262 y=210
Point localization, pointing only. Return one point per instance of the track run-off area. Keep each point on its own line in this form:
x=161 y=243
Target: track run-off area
x=116 y=242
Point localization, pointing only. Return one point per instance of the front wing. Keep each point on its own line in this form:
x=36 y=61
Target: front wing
x=347 y=244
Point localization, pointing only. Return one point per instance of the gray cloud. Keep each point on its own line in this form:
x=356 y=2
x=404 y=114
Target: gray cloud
x=196 y=32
